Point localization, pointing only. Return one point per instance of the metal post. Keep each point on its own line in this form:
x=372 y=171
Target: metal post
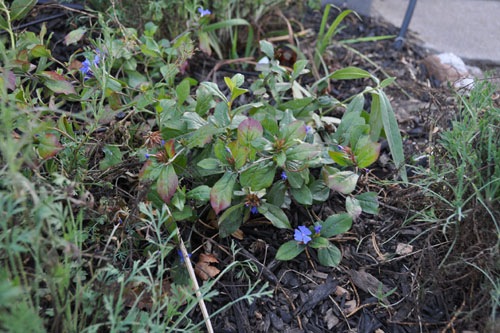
x=406 y=22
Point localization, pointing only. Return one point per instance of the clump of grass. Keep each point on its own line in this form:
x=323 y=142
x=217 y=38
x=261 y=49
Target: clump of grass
x=463 y=184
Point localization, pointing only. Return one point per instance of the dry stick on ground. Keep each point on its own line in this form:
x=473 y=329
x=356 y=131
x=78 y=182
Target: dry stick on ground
x=192 y=275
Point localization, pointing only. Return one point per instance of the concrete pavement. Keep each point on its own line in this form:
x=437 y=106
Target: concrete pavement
x=467 y=28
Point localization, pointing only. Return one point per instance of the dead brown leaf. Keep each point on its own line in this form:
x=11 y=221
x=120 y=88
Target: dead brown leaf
x=203 y=269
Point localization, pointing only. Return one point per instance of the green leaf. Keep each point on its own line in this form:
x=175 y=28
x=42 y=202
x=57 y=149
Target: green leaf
x=392 y=133
x=267 y=48
x=368 y=202
x=248 y=131
x=231 y=220
x=112 y=156
x=20 y=8
x=48 y=145
x=340 y=157
x=167 y=183
x=224 y=24
x=302 y=152
x=320 y=192
x=182 y=91
x=329 y=256
x=274 y=214
x=350 y=73
x=201 y=194
x=387 y=82
x=214 y=90
x=222 y=192
x=298 y=68
x=57 y=83
x=276 y=195
x=289 y=250
x=340 y=181
x=209 y=164
x=296 y=130
x=39 y=51
x=366 y=152
x=202 y=136
x=258 y=176
x=353 y=207
x=74 y=36
x=303 y=195
x=318 y=242
x=336 y=224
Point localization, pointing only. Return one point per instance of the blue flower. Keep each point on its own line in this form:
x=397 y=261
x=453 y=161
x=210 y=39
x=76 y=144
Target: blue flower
x=308 y=129
x=147 y=156
x=283 y=175
x=302 y=234
x=254 y=210
x=204 y=12
x=86 y=70
x=317 y=229
x=179 y=252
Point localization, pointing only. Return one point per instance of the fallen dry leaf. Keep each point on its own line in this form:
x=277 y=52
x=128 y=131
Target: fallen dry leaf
x=203 y=269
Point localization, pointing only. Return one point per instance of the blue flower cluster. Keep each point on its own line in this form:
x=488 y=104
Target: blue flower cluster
x=303 y=234
x=86 y=66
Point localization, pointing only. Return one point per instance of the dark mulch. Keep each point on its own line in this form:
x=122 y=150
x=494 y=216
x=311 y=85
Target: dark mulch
x=393 y=256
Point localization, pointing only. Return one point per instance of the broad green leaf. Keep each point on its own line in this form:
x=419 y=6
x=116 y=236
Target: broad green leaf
x=336 y=224
x=20 y=8
x=340 y=181
x=39 y=51
x=182 y=91
x=289 y=250
x=353 y=207
x=298 y=68
x=329 y=256
x=387 y=82
x=274 y=214
x=202 y=136
x=303 y=195
x=351 y=117
x=267 y=48
x=169 y=71
x=296 y=104
x=201 y=194
x=350 y=73
x=368 y=202
x=258 y=177
x=276 y=195
x=48 y=145
x=318 y=242
x=320 y=192
x=74 y=36
x=167 y=183
x=249 y=130
x=296 y=130
x=222 y=192
x=179 y=199
x=57 y=83
x=231 y=220
x=112 y=157
x=295 y=179
x=366 y=152
x=209 y=164
x=302 y=152
x=340 y=157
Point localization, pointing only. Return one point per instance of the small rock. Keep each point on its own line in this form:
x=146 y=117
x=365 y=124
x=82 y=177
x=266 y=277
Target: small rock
x=448 y=67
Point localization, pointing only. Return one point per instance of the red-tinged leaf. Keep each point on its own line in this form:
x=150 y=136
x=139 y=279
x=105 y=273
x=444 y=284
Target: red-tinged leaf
x=40 y=51
x=167 y=183
x=144 y=172
x=170 y=148
x=249 y=130
x=222 y=192
x=74 y=36
x=48 y=145
x=57 y=83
